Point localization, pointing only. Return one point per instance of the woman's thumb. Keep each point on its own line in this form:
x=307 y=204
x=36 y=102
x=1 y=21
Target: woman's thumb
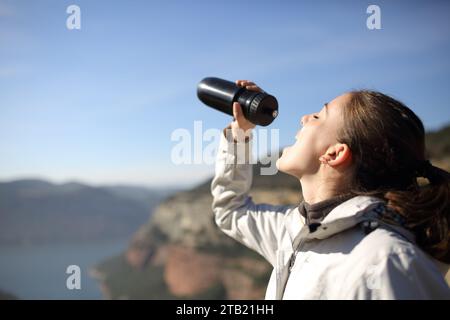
x=236 y=110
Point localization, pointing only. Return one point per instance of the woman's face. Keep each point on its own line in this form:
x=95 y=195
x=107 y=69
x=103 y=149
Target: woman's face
x=318 y=133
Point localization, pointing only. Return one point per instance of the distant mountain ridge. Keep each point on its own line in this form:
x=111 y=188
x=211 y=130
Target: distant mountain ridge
x=38 y=211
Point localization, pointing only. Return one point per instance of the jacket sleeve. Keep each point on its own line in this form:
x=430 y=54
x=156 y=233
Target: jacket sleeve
x=254 y=225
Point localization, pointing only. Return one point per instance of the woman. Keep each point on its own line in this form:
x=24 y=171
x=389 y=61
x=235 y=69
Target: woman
x=365 y=228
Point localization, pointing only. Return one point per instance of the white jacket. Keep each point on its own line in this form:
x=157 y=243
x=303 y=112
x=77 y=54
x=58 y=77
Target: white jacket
x=338 y=260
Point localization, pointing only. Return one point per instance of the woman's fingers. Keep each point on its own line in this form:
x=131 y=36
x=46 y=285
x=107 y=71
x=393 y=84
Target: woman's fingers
x=239 y=119
x=253 y=87
x=244 y=83
x=249 y=85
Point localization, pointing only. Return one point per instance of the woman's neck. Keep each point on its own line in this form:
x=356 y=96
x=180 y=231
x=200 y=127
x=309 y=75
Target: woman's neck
x=317 y=190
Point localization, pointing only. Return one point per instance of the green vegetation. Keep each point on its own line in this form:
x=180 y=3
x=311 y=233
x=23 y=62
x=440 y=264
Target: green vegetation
x=216 y=291
x=125 y=282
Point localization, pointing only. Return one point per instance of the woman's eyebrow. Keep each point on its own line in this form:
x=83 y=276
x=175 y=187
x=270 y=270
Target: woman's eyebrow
x=326 y=107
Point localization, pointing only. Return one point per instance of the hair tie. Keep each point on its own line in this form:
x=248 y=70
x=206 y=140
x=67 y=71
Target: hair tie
x=423 y=168
x=434 y=174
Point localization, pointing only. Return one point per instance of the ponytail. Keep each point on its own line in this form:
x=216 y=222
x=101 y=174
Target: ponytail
x=426 y=209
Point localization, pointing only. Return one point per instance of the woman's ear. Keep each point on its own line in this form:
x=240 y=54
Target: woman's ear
x=337 y=156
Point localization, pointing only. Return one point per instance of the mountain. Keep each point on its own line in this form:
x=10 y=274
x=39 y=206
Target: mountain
x=140 y=194
x=37 y=211
x=181 y=253
x=438 y=147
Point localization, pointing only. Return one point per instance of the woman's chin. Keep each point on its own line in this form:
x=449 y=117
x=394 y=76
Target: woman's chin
x=279 y=164
x=284 y=167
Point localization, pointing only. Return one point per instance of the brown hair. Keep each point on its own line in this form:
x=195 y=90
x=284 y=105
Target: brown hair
x=387 y=141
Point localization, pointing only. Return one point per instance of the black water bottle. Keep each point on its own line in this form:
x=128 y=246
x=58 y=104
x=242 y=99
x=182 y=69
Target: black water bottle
x=258 y=107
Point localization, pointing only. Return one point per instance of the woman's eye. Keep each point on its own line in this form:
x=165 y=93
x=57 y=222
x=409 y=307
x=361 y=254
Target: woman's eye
x=316 y=117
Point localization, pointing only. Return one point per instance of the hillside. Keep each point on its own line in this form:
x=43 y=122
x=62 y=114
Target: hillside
x=438 y=147
x=182 y=239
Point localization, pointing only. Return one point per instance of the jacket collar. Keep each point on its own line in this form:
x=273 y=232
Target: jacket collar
x=344 y=216
x=316 y=212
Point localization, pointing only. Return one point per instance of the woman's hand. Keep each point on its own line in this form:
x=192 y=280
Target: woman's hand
x=240 y=123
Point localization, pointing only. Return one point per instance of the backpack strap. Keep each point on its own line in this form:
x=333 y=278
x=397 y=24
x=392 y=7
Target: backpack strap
x=382 y=216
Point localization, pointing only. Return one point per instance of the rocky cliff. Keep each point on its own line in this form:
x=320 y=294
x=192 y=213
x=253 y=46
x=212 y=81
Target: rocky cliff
x=185 y=255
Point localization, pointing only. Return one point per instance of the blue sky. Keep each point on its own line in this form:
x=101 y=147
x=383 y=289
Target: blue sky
x=98 y=105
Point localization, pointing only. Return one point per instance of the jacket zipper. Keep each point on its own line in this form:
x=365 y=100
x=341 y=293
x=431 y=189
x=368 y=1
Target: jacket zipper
x=294 y=255
x=291 y=265
x=297 y=249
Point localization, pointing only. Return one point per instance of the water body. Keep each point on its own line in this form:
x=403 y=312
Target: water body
x=39 y=271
